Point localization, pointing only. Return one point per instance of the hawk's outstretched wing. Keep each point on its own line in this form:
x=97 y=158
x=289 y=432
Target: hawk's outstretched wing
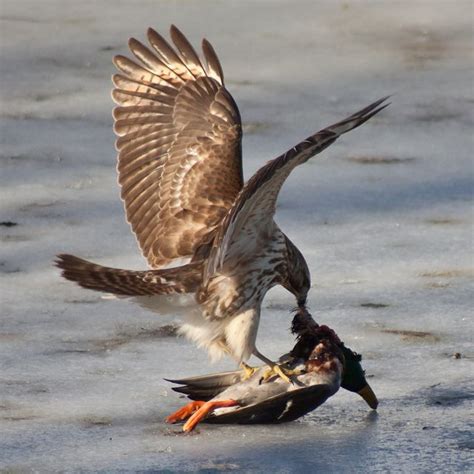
x=179 y=144
x=253 y=210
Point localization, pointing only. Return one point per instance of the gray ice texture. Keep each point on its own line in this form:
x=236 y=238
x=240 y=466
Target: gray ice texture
x=383 y=217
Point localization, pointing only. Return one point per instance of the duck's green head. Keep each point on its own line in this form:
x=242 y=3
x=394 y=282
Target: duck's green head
x=353 y=378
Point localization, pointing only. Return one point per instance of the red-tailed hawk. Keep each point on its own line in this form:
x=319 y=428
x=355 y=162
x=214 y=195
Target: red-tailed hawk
x=180 y=171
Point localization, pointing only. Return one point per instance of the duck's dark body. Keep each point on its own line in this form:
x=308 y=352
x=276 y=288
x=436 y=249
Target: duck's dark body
x=323 y=365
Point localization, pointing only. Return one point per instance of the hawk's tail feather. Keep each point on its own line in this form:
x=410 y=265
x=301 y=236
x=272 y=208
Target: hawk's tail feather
x=184 y=279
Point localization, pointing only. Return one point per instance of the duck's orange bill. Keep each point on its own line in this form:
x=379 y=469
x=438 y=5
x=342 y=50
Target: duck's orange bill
x=369 y=396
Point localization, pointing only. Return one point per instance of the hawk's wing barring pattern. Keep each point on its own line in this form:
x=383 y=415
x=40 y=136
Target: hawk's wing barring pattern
x=179 y=145
x=253 y=210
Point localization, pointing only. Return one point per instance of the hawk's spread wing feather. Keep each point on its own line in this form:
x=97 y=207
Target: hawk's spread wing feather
x=253 y=210
x=179 y=145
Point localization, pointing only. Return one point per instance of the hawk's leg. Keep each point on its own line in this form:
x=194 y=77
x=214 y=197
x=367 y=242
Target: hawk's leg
x=275 y=368
x=248 y=370
x=205 y=409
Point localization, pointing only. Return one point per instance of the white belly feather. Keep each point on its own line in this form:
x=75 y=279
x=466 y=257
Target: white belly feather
x=227 y=323
x=234 y=335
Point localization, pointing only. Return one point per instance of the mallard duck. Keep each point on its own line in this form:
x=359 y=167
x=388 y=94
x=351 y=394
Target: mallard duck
x=353 y=379
x=233 y=397
x=202 y=230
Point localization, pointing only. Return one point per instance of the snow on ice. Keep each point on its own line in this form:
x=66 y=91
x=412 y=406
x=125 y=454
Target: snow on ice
x=384 y=218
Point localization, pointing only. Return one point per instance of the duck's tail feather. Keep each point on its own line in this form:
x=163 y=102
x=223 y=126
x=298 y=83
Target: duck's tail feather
x=205 y=387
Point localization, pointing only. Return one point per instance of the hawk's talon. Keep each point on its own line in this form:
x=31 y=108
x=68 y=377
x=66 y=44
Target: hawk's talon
x=248 y=370
x=278 y=370
x=282 y=372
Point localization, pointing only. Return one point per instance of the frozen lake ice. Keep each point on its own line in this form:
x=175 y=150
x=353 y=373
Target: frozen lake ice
x=383 y=217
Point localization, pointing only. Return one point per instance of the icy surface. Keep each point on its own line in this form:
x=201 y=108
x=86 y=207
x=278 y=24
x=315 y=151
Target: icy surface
x=383 y=218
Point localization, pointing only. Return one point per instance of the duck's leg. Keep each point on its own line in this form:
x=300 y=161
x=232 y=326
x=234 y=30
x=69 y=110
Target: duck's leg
x=185 y=412
x=204 y=410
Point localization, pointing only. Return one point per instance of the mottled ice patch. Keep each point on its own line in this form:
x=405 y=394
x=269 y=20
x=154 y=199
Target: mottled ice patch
x=384 y=219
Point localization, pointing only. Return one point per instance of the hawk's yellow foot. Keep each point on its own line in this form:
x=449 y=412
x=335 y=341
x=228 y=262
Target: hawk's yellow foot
x=248 y=370
x=283 y=372
x=274 y=368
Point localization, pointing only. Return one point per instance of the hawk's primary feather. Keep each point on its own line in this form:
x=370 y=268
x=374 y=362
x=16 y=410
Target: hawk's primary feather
x=179 y=145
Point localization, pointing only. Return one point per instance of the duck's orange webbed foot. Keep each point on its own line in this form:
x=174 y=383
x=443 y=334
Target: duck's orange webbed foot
x=205 y=409
x=184 y=412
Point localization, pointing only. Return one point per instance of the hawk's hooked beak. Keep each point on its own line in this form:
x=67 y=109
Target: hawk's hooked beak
x=369 y=396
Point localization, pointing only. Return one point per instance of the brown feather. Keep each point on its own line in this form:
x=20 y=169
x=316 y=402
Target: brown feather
x=179 y=145
x=253 y=210
x=185 y=279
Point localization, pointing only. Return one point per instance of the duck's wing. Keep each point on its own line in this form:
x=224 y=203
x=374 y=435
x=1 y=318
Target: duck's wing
x=281 y=408
x=179 y=145
x=250 y=220
x=205 y=387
